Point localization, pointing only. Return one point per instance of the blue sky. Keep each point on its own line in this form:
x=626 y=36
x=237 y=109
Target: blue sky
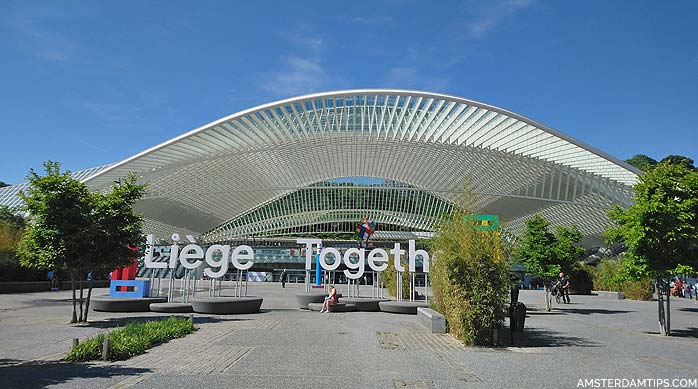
x=90 y=83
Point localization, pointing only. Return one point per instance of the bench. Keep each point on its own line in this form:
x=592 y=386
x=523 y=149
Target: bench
x=364 y=304
x=333 y=308
x=306 y=298
x=226 y=305
x=432 y=320
x=171 y=307
x=120 y=304
x=611 y=295
x=402 y=307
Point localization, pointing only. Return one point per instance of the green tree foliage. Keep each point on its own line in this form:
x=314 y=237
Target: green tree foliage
x=3 y=184
x=661 y=227
x=11 y=228
x=390 y=275
x=469 y=278
x=645 y=163
x=536 y=249
x=642 y=161
x=621 y=276
x=76 y=231
x=566 y=250
x=545 y=254
x=60 y=207
x=678 y=160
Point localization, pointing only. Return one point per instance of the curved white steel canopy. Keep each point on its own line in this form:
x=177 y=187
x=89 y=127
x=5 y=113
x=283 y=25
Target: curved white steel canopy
x=208 y=180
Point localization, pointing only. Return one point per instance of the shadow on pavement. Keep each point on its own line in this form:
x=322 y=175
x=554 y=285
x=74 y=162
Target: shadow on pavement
x=122 y=321
x=542 y=311
x=691 y=332
x=41 y=374
x=688 y=309
x=48 y=302
x=589 y=311
x=537 y=337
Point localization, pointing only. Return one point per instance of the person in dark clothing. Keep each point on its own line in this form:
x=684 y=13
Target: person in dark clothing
x=565 y=288
x=283 y=278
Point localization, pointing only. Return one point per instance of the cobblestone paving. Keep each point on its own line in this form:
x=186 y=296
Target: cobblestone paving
x=459 y=370
x=203 y=352
x=419 y=341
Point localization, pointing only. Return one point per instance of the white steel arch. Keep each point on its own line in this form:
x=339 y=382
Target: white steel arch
x=207 y=179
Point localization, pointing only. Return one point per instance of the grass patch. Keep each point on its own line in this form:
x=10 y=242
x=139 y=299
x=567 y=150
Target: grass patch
x=131 y=340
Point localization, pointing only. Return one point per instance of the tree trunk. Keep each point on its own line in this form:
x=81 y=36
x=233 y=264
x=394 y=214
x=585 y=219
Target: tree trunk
x=668 y=311
x=80 y=283
x=89 y=295
x=72 y=286
x=659 y=285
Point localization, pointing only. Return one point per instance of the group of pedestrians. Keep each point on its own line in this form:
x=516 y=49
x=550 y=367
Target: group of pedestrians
x=684 y=289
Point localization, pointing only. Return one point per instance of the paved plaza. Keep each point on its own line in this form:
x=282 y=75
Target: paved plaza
x=283 y=346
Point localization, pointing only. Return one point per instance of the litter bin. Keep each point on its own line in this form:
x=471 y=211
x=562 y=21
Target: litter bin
x=517 y=318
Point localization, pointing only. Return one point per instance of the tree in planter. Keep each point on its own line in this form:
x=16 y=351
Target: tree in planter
x=469 y=278
x=545 y=254
x=660 y=229
x=76 y=231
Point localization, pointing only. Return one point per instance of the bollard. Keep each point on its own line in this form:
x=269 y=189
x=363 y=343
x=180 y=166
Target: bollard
x=75 y=342
x=105 y=348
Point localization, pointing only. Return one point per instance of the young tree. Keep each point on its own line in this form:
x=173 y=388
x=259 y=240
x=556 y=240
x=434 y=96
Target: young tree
x=116 y=229
x=77 y=231
x=660 y=228
x=546 y=255
x=60 y=207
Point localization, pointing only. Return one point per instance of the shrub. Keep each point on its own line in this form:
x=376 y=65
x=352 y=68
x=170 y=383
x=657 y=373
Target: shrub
x=131 y=340
x=391 y=280
x=581 y=279
x=607 y=276
x=469 y=279
x=638 y=290
x=612 y=275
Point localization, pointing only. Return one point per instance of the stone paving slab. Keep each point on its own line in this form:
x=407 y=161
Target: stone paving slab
x=285 y=347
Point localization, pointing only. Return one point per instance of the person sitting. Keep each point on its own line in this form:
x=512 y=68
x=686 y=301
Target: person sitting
x=330 y=299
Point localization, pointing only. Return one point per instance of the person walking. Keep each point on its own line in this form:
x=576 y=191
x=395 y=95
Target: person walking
x=283 y=278
x=53 y=278
x=565 y=288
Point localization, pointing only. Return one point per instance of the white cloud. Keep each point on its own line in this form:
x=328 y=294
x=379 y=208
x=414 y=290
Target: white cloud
x=373 y=20
x=411 y=77
x=313 y=44
x=489 y=16
x=297 y=75
x=302 y=70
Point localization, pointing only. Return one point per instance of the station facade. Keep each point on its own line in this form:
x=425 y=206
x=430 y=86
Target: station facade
x=315 y=165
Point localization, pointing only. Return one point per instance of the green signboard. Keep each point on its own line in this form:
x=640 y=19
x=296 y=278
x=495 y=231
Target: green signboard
x=485 y=222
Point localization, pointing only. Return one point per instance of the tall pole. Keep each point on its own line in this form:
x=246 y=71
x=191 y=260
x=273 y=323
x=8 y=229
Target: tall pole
x=318 y=268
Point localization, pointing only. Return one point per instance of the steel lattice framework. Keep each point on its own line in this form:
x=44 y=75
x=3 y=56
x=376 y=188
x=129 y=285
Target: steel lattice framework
x=273 y=168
